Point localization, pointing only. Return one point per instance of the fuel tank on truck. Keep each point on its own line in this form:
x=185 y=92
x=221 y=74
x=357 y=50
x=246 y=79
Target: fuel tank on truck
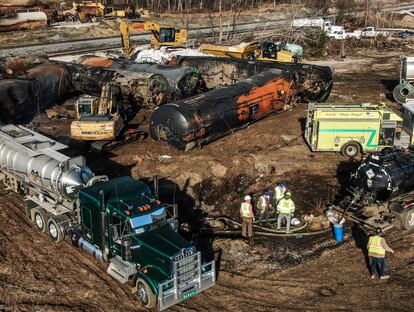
x=316 y=81
x=385 y=175
x=204 y=118
x=183 y=81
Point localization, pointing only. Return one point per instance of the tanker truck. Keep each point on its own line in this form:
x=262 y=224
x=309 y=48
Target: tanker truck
x=382 y=192
x=120 y=222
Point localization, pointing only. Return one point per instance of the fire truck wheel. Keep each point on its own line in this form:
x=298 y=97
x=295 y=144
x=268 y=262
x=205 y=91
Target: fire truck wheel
x=54 y=230
x=145 y=294
x=40 y=219
x=407 y=220
x=351 y=149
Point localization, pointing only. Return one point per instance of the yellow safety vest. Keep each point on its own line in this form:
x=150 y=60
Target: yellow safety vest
x=286 y=206
x=374 y=245
x=245 y=207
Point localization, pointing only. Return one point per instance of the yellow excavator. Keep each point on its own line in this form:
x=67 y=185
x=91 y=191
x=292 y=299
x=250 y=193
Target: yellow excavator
x=161 y=36
x=266 y=51
x=100 y=120
x=94 y=9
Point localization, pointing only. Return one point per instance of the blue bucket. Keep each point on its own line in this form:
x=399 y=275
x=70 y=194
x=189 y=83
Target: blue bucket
x=338 y=232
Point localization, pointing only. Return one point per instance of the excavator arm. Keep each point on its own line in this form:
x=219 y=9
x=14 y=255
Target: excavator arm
x=124 y=28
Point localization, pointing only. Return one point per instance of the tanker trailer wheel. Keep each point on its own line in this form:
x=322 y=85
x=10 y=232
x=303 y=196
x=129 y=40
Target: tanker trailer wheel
x=407 y=220
x=40 y=219
x=351 y=149
x=54 y=230
x=145 y=294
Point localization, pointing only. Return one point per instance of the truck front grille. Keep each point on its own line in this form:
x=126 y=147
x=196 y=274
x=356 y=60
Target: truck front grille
x=187 y=268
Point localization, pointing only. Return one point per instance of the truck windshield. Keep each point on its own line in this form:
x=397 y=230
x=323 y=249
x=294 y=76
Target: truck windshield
x=149 y=221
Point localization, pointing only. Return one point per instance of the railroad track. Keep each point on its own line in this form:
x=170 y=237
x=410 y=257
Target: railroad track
x=114 y=42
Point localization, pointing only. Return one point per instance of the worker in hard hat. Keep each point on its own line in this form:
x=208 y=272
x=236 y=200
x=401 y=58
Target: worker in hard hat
x=246 y=213
x=263 y=207
x=377 y=246
x=279 y=192
x=285 y=209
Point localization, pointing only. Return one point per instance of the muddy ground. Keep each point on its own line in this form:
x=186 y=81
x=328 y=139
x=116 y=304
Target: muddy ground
x=278 y=274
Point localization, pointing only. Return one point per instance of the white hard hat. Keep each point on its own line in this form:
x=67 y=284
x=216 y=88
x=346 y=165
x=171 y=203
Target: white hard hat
x=247 y=197
x=295 y=221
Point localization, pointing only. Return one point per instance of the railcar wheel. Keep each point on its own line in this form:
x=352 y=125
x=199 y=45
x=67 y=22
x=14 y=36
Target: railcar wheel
x=40 y=219
x=145 y=294
x=407 y=220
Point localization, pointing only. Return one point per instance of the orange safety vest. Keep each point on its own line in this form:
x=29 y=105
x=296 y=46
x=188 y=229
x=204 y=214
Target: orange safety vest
x=374 y=245
x=245 y=207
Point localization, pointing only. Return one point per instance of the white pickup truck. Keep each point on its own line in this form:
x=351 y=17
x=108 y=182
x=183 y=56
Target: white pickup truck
x=342 y=34
x=371 y=32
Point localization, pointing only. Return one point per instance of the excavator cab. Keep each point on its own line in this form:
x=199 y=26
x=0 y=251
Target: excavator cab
x=167 y=34
x=270 y=49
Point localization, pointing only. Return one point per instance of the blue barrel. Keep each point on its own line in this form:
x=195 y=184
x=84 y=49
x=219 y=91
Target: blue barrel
x=338 y=232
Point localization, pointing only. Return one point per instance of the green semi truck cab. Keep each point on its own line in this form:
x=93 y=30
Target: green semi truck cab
x=123 y=223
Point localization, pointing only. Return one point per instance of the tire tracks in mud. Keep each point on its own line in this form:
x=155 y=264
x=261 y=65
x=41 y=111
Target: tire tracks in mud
x=36 y=271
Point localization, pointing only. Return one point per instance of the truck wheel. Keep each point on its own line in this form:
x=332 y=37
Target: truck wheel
x=54 y=230
x=407 y=220
x=351 y=149
x=145 y=294
x=40 y=219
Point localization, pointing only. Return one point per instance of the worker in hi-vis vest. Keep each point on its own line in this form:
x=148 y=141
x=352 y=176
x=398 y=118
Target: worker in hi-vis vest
x=246 y=213
x=285 y=209
x=377 y=247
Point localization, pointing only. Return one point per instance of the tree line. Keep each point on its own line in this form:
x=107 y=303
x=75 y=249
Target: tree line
x=175 y=6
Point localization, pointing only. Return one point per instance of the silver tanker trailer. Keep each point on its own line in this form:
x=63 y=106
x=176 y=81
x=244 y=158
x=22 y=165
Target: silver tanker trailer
x=50 y=181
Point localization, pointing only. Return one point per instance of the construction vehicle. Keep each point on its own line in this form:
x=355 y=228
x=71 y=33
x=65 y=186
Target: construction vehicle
x=381 y=192
x=101 y=120
x=120 y=222
x=353 y=128
x=266 y=51
x=161 y=36
x=93 y=9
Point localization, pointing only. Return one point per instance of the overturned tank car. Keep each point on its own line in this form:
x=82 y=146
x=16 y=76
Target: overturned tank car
x=141 y=89
x=23 y=96
x=183 y=81
x=382 y=191
x=316 y=81
x=206 y=117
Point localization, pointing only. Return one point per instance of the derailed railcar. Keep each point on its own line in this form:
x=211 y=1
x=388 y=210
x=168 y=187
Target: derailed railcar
x=381 y=192
x=141 y=89
x=183 y=81
x=206 y=117
x=39 y=87
x=316 y=80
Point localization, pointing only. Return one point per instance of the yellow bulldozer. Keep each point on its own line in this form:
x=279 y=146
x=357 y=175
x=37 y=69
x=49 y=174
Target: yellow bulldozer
x=161 y=36
x=101 y=120
x=266 y=51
